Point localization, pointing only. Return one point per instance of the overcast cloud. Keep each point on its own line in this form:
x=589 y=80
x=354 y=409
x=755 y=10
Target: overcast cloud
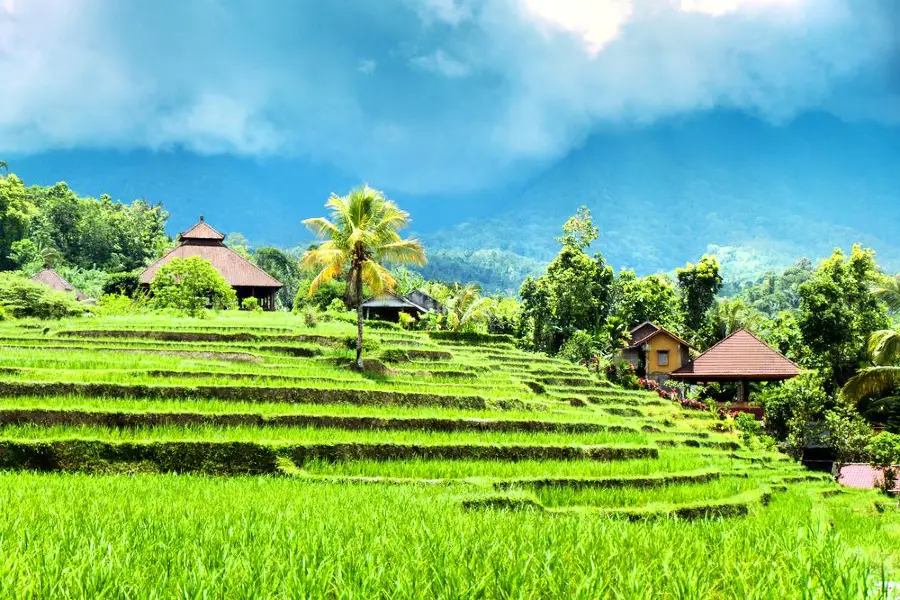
x=424 y=95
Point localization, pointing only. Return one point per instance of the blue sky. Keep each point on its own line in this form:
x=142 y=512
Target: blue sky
x=426 y=96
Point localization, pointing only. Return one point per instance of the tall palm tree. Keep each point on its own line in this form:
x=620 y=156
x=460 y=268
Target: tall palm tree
x=884 y=348
x=361 y=234
x=730 y=315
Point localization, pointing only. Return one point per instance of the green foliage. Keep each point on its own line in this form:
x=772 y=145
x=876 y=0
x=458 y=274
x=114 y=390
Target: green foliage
x=407 y=321
x=251 y=303
x=580 y=348
x=467 y=310
x=497 y=271
x=115 y=304
x=884 y=450
x=727 y=316
x=310 y=317
x=89 y=282
x=16 y=212
x=407 y=280
x=790 y=406
x=774 y=293
x=239 y=243
x=323 y=298
x=21 y=298
x=848 y=434
x=191 y=285
x=505 y=316
x=652 y=298
x=126 y=283
x=838 y=313
x=697 y=288
x=283 y=267
x=783 y=333
x=579 y=231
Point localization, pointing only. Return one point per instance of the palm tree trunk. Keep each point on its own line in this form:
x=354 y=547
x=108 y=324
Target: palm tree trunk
x=359 y=320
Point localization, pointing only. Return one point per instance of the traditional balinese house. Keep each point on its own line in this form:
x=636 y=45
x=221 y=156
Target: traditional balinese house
x=388 y=306
x=739 y=358
x=51 y=278
x=247 y=279
x=655 y=352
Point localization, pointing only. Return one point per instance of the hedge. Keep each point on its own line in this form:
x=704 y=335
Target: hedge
x=16 y=389
x=133 y=420
x=472 y=337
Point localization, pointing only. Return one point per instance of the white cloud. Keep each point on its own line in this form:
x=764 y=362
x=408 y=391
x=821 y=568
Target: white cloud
x=442 y=63
x=597 y=22
x=522 y=81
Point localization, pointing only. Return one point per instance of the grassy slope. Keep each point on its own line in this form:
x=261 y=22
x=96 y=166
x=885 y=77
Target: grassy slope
x=331 y=525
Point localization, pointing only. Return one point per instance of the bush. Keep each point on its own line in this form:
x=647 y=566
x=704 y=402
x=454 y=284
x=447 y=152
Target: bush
x=323 y=299
x=190 y=285
x=407 y=321
x=125 y=284
x=848 y=435
x=579 y=348
x=310 y=318
x=251 y=303
x=115 y=304
x=884 y=452
x=22 y=298
x=793 y=404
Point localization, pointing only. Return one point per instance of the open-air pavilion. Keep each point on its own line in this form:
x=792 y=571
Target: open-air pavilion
x=739 y=358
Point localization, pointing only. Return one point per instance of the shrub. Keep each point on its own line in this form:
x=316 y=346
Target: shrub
x=579 y=348
x=324 y=297
x=884 y=452
x=115 y=304
x=848 y=435
x=22 y=298
x=191 y=285
x=125 y=284
x=251 y=303
x=793 y=404
x=310 y=317
x=407 y=321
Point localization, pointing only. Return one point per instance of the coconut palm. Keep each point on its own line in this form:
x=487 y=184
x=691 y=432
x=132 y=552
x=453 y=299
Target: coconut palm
x=360 y=234
x=888 y=291
x=466 y=308
x=884 y=348
x=730 y=315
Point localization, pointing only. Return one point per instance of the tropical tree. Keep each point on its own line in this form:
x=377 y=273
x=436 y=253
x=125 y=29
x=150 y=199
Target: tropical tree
x=467 y=309
x=359 y=236
x=884 y=348
x=729 y=315
x=3 y=166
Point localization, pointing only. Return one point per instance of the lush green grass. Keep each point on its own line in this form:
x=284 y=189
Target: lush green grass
x=365 y=522
x=167 y=536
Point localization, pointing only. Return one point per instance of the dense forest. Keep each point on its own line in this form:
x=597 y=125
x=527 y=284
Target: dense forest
x=836 y=319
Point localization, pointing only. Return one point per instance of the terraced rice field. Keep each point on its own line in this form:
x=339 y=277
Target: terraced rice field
x=239 y=456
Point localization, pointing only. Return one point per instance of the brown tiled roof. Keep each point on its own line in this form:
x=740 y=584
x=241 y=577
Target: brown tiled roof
x=646 y=331
x=55 y=280
x=201 y=240
x=863 y=476
x=739 y=356
x=201 y=231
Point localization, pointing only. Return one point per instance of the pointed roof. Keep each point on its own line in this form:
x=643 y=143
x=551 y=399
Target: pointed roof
x=237 y=270
x=201 y=231
x=51 y=278
x=741 y=355
x=390 y=300
x=644 y=332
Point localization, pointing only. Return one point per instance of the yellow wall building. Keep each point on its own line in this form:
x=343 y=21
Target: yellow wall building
x=655 y=352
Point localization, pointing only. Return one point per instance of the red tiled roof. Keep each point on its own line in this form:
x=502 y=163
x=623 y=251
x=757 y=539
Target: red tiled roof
x=53 y=279
x=739 y=356
x=237 y=270
x=201 y=231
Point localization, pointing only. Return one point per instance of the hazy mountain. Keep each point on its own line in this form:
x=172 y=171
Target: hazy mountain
x=758 y=195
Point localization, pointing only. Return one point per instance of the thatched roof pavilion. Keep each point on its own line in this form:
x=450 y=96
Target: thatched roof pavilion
x=51 y=278
x=246 y=278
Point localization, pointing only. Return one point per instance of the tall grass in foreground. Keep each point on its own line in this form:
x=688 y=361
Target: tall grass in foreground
x=189 y=537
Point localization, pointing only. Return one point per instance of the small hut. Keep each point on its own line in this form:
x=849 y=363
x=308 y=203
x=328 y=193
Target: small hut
x=247 y=279
x=388 y=307
x=51 y=278
x=655 y=352
x=740 y=358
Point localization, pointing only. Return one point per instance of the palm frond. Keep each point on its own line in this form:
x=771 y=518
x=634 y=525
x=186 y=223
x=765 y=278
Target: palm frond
x=377 y=277
x=322 y=227
x=403 y=252
x=327 y=253
x=324 y=276
x=873 y=381
x=884 y=346
x=888 y=291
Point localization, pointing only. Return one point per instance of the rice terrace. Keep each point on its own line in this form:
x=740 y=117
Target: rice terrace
x=238 y=456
